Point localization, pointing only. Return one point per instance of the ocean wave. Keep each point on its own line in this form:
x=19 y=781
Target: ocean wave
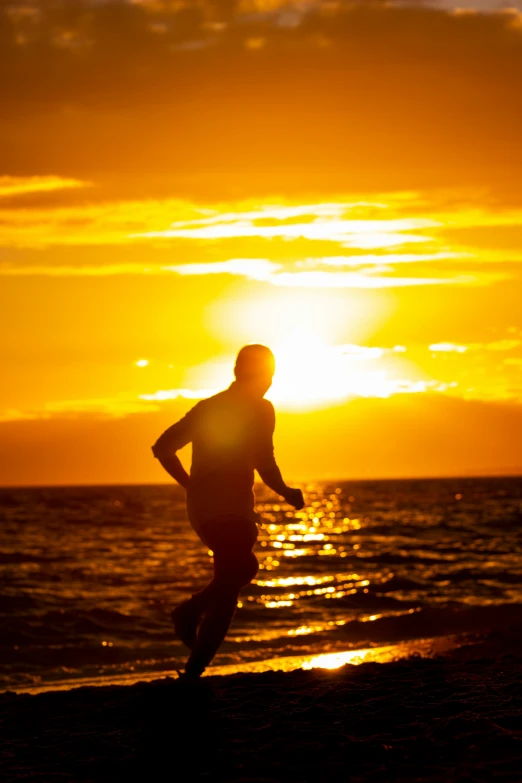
x=365 y=562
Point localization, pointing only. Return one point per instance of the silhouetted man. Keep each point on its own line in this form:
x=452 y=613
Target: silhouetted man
x=231 y=435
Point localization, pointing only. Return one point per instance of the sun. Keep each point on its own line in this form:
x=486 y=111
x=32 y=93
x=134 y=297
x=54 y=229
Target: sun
x=311 y=373
x=315 y=367
x=306 y=371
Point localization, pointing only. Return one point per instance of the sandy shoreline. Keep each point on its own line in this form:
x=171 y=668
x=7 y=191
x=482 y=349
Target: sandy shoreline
x=332 y=660
x=451 y=718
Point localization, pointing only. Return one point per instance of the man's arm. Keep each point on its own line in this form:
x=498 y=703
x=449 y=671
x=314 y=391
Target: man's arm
x=174 y=468
x=167 y=444
x=267 y=466
x=271 y=476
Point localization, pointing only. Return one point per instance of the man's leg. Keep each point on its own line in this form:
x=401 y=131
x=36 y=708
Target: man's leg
x=185 y=619
x=187 y=615
x=235 y=565
x=232 y=538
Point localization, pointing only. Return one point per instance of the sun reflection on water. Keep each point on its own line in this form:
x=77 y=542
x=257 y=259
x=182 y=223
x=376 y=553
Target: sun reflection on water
x=355 y=657
x=320 y=528
x=334 y=660
x=324 y=531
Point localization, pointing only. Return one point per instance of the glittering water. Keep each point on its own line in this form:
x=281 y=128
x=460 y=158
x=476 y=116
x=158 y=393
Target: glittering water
x=89 y=575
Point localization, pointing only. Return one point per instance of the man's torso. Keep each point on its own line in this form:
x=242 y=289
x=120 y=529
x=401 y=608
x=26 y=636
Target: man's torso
x=229 y=431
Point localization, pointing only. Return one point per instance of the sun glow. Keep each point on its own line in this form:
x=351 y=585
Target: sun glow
x=315 y=366
x=309 y=371
x=313 y=373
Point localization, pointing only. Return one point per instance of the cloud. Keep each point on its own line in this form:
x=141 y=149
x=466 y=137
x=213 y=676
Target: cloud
x=477 y=6
x=123 y=405
x=370 y=93
x=321 y=228
x=365 y=352
x=263 y=270
x=254 y=268
x=377 y=387
x=448 y=348
x=124 y=222
x=87 y=224
x=119 y=406
x=403 y=218
x=496 y=345
x=16 y=186
x=368 y=234
x=258 y=269
x=388 y=258
x=340 y=372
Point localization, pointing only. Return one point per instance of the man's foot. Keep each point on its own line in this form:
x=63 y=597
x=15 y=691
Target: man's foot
x=186 y=620
x=193 y=687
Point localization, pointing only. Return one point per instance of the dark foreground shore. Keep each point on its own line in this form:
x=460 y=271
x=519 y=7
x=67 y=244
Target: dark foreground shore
x=454 y=718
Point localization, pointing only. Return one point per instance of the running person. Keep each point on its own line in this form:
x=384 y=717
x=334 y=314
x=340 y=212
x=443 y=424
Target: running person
x=231 y=435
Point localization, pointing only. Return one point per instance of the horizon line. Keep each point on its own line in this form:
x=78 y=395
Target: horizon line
x=447 y=477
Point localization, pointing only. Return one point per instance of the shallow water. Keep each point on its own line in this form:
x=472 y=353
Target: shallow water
x=90 y=574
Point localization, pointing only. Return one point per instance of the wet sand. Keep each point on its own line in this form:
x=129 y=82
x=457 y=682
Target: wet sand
x=456 y=717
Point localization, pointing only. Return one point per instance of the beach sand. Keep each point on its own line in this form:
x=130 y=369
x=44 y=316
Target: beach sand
x=456 y=717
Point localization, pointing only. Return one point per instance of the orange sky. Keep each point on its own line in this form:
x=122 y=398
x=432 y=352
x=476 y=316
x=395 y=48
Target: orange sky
x=339 y=181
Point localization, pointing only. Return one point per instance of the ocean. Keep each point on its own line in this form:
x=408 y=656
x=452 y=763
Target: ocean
x=90 y=574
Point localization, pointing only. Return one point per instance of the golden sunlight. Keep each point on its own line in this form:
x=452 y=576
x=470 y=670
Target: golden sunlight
x=310 y=372
x=261 y=350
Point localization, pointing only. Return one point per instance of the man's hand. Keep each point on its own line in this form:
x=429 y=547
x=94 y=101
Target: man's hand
x=273 y=479
x=295 y=498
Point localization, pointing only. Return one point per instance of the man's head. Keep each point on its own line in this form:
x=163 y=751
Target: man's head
x=255 y=367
